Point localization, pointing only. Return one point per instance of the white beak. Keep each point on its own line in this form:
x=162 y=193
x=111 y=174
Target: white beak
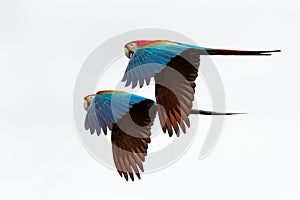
x=85 y=105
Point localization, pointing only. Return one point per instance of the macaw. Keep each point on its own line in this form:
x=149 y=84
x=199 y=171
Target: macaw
x=174 y=67
x=129 y=117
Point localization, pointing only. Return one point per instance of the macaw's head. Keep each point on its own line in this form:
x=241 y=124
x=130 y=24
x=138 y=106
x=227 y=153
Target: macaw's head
x=88 y=101
x=130 y=48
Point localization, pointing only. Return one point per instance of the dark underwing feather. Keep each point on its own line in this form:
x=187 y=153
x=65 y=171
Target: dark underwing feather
x=130 y=138
x=174 y=91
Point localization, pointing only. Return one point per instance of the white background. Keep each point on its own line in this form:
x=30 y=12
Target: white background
x=42 y=47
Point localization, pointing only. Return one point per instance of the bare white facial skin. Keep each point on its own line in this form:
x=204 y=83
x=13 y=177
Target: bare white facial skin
x=87 y=102
x=129 y=49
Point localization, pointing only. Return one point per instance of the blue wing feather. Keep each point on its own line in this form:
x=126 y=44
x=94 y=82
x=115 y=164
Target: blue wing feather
x=148 y=61
x=107 y=108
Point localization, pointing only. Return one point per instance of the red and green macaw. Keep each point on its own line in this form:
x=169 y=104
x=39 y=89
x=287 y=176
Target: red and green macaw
x=113 y=110
x=129 y=117
x=174 y=67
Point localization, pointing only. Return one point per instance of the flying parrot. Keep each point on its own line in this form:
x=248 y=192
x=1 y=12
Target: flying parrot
x=174 y=67
x=129 y=117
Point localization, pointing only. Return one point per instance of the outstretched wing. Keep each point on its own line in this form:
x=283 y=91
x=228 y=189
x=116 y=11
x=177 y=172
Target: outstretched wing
x=107 y=107
x=148 y=61
x=130 y=138
x=174 y=91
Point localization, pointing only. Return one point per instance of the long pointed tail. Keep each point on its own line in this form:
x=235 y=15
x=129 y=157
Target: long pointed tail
x=204 y=112
x=210 y=51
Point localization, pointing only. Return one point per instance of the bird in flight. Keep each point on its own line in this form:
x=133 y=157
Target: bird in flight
x=129 y=117
x=174 y=67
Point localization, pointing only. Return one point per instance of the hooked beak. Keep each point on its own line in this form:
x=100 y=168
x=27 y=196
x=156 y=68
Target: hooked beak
x=85 y=105
x=128 y=53
x=87 y=101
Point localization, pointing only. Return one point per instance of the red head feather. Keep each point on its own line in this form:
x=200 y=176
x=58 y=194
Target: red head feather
x=110 y=91
x=143 y=43
x=88 y=96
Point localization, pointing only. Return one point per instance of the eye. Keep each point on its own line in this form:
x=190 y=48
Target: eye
x=131 y=44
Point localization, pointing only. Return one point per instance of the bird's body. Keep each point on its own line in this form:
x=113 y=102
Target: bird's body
x=129 y=118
